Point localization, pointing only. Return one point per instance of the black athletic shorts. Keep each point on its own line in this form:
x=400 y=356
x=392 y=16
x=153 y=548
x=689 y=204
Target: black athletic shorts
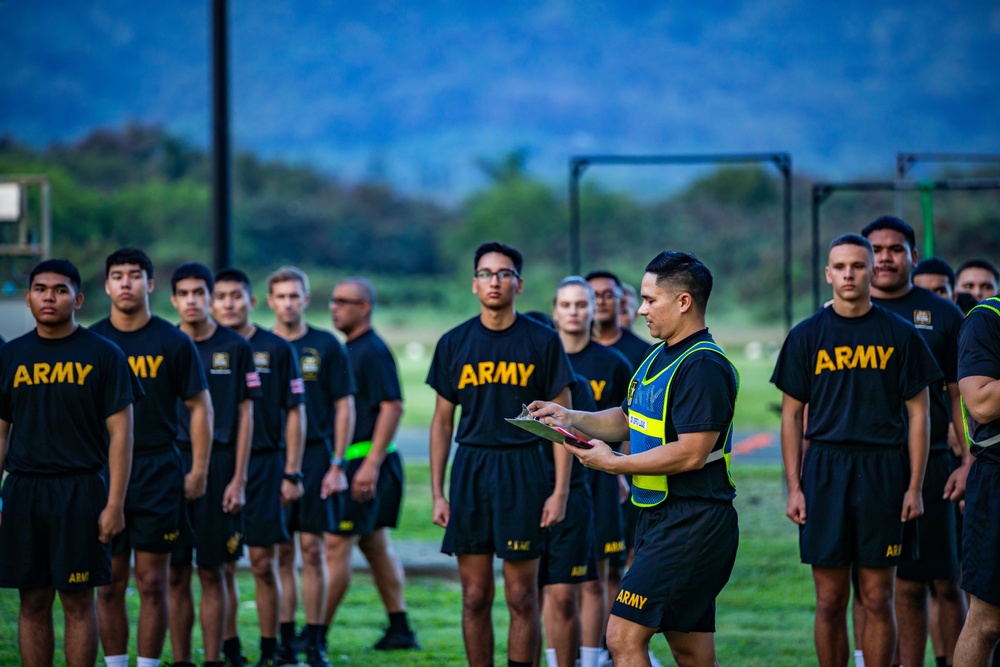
x=569 y=555
x=630 y=519
x=854 y=499
x=609 y=530
x=310 y=513
x=938 y=557
x=684 y=554
x=217 y=537
x=956 y=461
x=362 y=518
x=263 y=514
x=49 y=532
x=154 y=503
x=496 y=497
x=981 y=534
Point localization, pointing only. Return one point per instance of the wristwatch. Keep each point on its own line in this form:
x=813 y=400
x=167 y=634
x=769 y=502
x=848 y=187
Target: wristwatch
x=293 y=477
x=338 y=461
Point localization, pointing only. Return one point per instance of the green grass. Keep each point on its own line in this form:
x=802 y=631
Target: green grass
x=765 y=614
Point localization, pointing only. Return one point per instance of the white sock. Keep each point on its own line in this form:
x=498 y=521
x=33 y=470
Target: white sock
x=550 y=657
x=148 y=662
x=116 y=660
x=589 y=657
x=859 y=658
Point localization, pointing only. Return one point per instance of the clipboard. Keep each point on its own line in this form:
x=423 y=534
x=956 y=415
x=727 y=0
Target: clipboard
x=553 y=433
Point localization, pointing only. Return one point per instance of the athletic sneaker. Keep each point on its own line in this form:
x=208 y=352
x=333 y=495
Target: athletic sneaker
x=286 y=656
x=393 y=641
x=315 y=657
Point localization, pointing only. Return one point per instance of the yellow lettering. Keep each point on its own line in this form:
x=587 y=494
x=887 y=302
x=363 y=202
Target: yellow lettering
x=526 y=372
x=598 y=387
x=883 y=356
x=62 y=372
x=82 y=372
x=21 y=375
x=614 y=547
x=170 y=537
x=864 y=356
x=845 y=358
x=138 y=365
x=42 y=373
x=346 y=525
x=894 y=550
x=468 y=376
x=578 y=571
x=154 y=364
x=486 y=371
x=79 y=577
x=506 y=373
x=622 y=595
x=824 y=362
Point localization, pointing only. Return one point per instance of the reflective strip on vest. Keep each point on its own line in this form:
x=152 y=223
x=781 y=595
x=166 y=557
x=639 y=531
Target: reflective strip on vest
x=989 y=442
x=647 y=414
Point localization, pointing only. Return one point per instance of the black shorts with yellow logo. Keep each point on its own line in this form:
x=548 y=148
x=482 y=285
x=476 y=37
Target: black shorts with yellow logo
x=263 y=515
x=609 y=523
x=569 y=555
x=217 y=536
x=496 y=497
x=684 y=554
x=937 y=552
x=49 y=532
x=364 y=518
x=854 y=500
x=981 y=532
x=311 y=513
x=155 y=518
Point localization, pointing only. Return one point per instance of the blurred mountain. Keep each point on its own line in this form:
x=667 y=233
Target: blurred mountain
x=416 y=94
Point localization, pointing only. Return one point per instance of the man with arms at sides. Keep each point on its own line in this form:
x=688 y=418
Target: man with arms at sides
x=977 y=277
x=275 y=479
x=864 y=373
x=491 y=365
x=935 y=275
x=374 y=467
x=59 y=513
x=217 y=517
x=679 y=414
x=938 y=322
x=330 y=389
x=167 y=364
x=608 y=374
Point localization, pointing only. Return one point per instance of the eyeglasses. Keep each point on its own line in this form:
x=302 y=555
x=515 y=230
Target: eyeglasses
x=505 y=275
x=337 y=301
x=606 y=295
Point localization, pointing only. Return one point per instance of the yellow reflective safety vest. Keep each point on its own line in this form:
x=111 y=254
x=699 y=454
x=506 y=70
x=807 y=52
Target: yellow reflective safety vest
x=647 y=415
x=991 y=304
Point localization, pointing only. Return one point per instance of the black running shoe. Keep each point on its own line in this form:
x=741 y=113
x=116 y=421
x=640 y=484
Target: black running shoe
x=394 y=641
x=316 y=658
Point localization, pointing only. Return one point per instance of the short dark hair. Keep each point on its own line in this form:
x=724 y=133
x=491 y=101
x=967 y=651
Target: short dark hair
x=601 y=273
x=978 y=264
x=683 y=270
x=503 y=249
x=234 y=276
x=192 y=270
x=933 y=266
x=892 y=223
x=853 y=239
x=63 y=267
x=129 y=256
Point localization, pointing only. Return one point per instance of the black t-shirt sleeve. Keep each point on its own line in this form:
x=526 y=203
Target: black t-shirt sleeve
x=791 y=370
x=917 y=365
x=438 y=376
x=292 y=388
x=340 y=377
x=979 y=345
x=703 y=394
x=249 y=386
x=558 y=369
x=189 y=373
x=120 y=388
x=383 y=376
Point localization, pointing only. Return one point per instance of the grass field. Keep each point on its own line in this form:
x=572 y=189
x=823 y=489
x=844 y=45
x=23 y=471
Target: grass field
x=764 y=614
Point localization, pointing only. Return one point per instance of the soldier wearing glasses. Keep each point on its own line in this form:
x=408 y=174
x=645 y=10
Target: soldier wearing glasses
x=490 y=366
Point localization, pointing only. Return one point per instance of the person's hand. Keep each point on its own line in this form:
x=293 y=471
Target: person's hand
x=442 y=512
x=110 y=522
x=600 y=457
x=913 y=505
x=290 y=492
x=796 y=507
x=195 y=485
x=551 y=414
x=365 y=482
x=234 y=497
x=334 y=481
x=954 y=488
x=554 y=509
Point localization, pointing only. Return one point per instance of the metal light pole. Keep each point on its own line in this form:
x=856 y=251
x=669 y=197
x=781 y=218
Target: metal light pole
x=222 y=240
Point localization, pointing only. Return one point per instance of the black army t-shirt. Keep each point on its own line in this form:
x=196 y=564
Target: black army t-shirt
x=280 y=388
x=979 y=355
x=326 y=372
x=632 y=347
x=375 y=372
x=491 y=374
x=856 y=374
x=165 y=361
x=938 y=321
x=57 y=394
x=232 y=378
